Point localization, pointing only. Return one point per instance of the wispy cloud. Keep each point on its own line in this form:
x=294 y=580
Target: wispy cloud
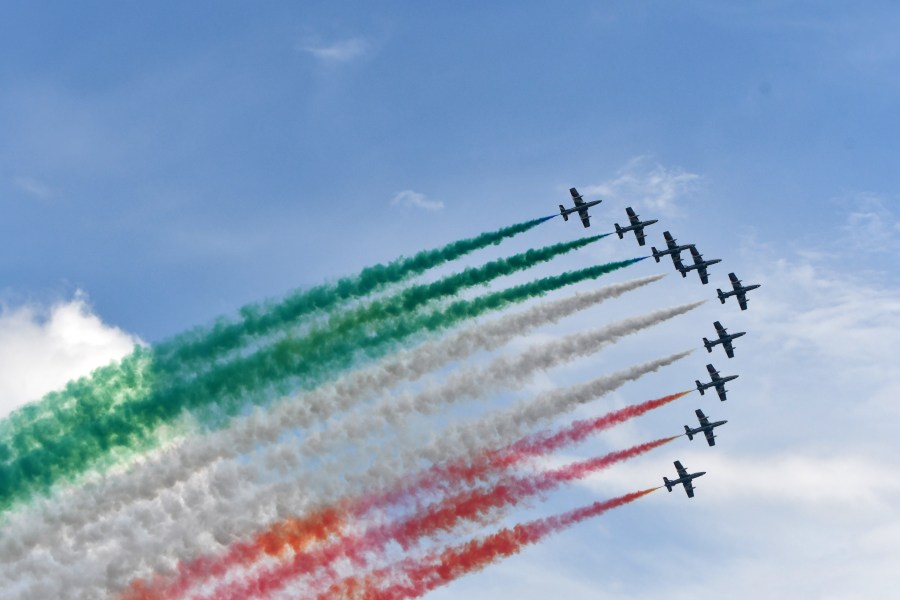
x=871 y=226
x=411 y=199
x=644 y=183
x=33 y=187
x=341 y=51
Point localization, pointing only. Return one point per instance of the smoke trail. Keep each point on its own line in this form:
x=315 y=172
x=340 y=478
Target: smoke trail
x=54 y=518
x=472 y=468
x=196 y=346
x=412 y=578
x=238 y=519
x=110 y=565
x=318 y=355
x=442 y=516
x=182 y=353
x=297 y=533
x=503 y=372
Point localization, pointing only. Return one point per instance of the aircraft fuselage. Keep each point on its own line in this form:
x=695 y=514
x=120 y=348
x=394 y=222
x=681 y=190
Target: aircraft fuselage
x=585 y=206
x=740 y=290
x=699 y=265
x=670 y=483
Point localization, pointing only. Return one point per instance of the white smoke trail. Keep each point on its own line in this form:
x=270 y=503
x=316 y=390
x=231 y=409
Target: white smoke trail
x=492 y=431
x=76 y=573
x=59 y=517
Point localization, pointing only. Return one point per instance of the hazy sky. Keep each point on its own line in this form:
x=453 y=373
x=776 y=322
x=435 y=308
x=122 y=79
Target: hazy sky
x=164 y=163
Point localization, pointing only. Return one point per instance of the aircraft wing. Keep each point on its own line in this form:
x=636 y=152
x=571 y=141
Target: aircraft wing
x=735 y=282
x=689 y=489
x=720 y=389
x=670 y=241
x=712 y=372
x=696 y=255
x=742 y=300
x=704 y=420
x=710 y=437
x=676 y=260
x=639 y=234
x=632 y=217
x=729 y=349
x=681 y=470
x=704 y=276
x=577 y=198
x=585 y=217
x=719 y=329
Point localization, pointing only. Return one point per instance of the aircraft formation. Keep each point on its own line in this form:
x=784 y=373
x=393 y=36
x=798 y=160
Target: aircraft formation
x=724 y=339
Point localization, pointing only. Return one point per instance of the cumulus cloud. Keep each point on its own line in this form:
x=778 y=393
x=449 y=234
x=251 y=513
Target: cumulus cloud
x=41 y=348
x=644 y=183
x=411 y=199
x=341 y=51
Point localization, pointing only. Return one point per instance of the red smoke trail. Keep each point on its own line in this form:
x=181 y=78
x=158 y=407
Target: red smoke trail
x=439 y=478
x=419 y=576
x=442 y=516
x=296 y=534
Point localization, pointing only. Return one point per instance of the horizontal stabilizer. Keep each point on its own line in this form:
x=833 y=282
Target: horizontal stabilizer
x=620 y=232
x=562 y=211
x=655 y=253
x=700 y=387
x=687 y=432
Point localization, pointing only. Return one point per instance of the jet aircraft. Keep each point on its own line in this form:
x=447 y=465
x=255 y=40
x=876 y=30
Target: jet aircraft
x=717 y=382
x=706 y=428
x=671 y=248
x=739 y=290
x=637 y=226
x=699 y=265
x=581 y=207
x=724 y=338
x=684 y=478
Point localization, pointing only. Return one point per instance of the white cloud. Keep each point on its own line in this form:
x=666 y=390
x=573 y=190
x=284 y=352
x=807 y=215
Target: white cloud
x=342 y=51
x=33 y=187
x=411 y=199
x=43 y=348
x=643 y=183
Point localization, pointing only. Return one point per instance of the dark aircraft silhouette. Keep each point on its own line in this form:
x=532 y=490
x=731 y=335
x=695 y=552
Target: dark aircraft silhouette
x=581 y=207
x=717 y=382
x=671 y=248
x=699 y=265
x=724 y=338
x=684 y=478
x=739 y=290
x=637 y=226
x=705 y=428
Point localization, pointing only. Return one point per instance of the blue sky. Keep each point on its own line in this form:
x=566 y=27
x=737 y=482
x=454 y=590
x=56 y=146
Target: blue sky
x=173 y=161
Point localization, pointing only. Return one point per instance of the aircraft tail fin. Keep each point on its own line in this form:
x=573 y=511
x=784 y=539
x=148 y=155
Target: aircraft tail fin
x=620 y=232
x=562 y=211
x=655 y=253
x=700 y=387
x=721 y=295
x=707 y=345
x=688 y=432
x=667 y=483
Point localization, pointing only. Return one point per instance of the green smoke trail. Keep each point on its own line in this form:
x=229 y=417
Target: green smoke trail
x=261 y=319
x=130 y=379
x=303 y=362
